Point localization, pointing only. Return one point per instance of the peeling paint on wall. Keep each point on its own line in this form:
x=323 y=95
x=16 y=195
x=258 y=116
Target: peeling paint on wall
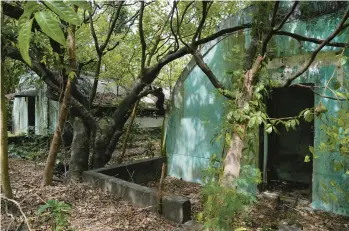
x=197 y=113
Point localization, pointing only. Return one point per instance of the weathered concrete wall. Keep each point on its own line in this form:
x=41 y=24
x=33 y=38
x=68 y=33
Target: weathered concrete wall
x=46 y=111
x=123 y=181
x=20 y=116
x=197 y=109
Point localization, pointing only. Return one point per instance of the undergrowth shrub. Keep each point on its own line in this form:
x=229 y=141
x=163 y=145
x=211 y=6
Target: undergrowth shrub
x=222 y=204
x=58 y=212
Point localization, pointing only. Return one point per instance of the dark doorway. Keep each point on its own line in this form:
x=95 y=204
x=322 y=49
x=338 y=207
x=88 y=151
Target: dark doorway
x=31 y=113
x=287 y=150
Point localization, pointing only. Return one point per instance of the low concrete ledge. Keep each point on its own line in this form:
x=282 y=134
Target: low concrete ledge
x=175 y=208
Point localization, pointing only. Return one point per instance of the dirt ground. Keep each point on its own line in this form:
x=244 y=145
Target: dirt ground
x=91 y=208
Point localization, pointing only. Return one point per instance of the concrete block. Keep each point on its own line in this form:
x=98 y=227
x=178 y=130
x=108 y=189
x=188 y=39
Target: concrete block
x=176 y=208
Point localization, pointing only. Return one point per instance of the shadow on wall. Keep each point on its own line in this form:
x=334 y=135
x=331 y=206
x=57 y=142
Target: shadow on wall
x=196 y=119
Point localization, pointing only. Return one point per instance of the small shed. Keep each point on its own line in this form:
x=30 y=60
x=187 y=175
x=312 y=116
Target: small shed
x=197 y=111
x=34 y=112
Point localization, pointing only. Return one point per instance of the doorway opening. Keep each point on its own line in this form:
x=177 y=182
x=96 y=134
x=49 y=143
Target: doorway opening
x=31 y=114
x=283 y=154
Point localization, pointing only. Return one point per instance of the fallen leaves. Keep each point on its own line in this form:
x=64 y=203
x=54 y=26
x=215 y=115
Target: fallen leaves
x=92 y=210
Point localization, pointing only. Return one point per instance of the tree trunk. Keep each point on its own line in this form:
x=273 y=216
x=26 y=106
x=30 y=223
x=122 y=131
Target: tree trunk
x=51 y=159
x=121 y=157
x=79 y=150
x=63 y=112
x=232 y=161
x=108 y=138
x=5 y=179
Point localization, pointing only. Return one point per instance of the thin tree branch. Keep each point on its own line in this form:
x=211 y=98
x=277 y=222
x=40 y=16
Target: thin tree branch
x=184 y=12
x=93 y=33
x=209 y=73
x=171 y=26
x=276 y=7
x=20 y=210
x=307 y=39
x=272 y=29
x=157 y=40
x=314 y=54
x=322 y=96
x=112 y=27
x=203 y=19
x=221 y=33
x=141 y=36
x=295 y=4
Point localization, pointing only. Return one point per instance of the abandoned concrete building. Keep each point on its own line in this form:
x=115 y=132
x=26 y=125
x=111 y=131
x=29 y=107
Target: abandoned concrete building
x=33 y=110
x=197 y=110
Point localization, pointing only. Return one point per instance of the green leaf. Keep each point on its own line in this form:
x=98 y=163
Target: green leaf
x=252 y=122
x=311 y=149
x=228 y=138
x=307 y=158
x=293 y=124
x=269 y=129
x=83 y=5
x=347 y=172
x=29 y=8
x=71 y=75
x=43 y=208
x=336 y=85
x=24 y=40
x=340 y=94
x=64 y=11
x=308 y=116
x=50 y=26
x=240 y=229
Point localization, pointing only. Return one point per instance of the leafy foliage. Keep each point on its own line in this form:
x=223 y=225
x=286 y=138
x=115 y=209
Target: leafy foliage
x=50 y=26
x=30 y=147
x=222 y=204
x=24 y=39
x=47 y=21
x=65 y=12
x=57 y=210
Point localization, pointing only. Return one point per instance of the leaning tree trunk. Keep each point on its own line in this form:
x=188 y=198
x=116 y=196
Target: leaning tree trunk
x=5 y=179
x=63 y=112
x=108 y=138
x=79 y=150
x=232 y=161
x=124 y=145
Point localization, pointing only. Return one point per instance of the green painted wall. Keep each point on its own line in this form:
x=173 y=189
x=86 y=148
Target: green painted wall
x=197 y=111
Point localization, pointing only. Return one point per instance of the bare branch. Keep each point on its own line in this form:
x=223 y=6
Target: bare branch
x=286 y=17
x=221 y=33
x=171 y=26
x=314 y=54
x=141 y=36
x=322 y=96
x=164 y=52
x=112 y=27
x=272 y=29
x=205 y=8
x=93 y=32
x=184 y=13
x=157 y=40
x=20 y=210
x=307 y=39
x=276 y=7
x=209 y=73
